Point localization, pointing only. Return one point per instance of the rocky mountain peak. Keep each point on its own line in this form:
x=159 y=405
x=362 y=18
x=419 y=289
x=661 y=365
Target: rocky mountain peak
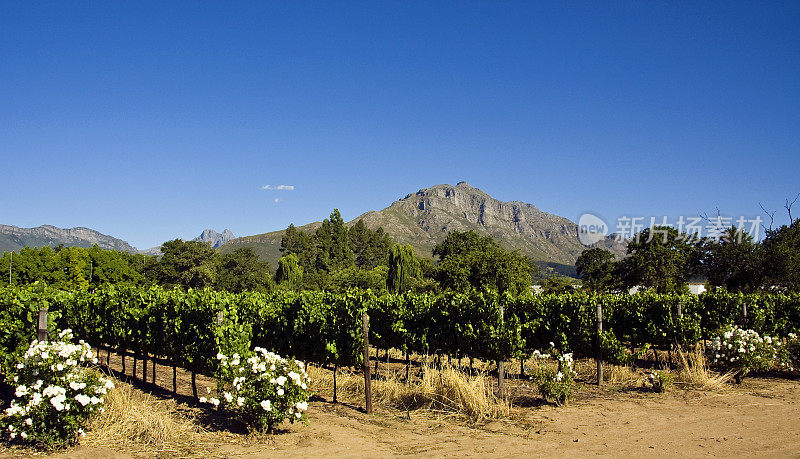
x=424 y=218
x=213 y=238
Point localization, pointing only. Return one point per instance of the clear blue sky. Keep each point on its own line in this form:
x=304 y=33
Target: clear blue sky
x=154 y=120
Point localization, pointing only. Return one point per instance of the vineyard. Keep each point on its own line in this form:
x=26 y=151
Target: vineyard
x=189 y=328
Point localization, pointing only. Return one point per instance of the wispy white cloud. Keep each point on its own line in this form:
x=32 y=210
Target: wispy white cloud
x=278 y=187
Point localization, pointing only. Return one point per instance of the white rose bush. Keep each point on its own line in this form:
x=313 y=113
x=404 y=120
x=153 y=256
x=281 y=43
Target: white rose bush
x=56 y=394
x=263 y=388
x=742 y=351
x=555 y=383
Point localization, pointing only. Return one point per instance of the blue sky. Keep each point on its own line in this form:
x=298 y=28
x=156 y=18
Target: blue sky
x=154 y=120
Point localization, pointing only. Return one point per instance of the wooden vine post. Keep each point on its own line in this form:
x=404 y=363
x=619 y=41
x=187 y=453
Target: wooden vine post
x=680 y=325
x=501 y=364
x=144 y=362
x=41 y=329
x=599 y=344
x=367 y=378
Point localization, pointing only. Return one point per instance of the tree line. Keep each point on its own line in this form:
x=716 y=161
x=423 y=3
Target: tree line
x=665 y=260
x=333 y=258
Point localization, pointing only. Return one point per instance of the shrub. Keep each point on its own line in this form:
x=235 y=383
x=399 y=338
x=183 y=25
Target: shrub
x=55 y=393
x=556 y=382
x=743 y=351
x=264 y=389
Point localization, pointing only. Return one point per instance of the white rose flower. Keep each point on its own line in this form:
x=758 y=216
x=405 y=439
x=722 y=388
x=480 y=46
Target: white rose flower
x=83 y=399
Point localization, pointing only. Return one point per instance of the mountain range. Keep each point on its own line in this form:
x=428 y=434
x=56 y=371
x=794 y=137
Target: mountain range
x=424 y=218
x=421 y=219
x=13 y=238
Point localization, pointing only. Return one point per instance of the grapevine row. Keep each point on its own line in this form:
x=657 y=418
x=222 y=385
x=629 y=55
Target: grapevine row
x=190 y=327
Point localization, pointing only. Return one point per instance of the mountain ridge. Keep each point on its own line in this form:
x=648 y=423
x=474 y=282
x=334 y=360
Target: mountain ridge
x=13 y=238
x=423 y=219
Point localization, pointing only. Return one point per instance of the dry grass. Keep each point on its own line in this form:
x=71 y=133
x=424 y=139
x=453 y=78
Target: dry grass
x=447 y=391
x=624 y=376
x=137 y=422
x=693 y=371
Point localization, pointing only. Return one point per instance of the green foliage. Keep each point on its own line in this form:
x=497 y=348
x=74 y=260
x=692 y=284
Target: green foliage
x=658 y=258
x=188 y=264
x=556 y=383
x=556 y=285
x=790 y=354
x=333 y=250
x=289 y=273
x=616 y=353
x=356 y=278
x=596 y=268
x=471 y=261
x=370 y=248
x=326 y=327
x=403 y=268
x=731 y=262
x=335 y=257
x=72 y=267
x=780 y=261
x=241 y=271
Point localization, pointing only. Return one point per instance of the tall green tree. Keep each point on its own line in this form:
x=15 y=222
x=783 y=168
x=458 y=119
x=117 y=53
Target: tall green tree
x=242 y=271
x=780 y=258
x=658 y=258
x=468 y=260
x=731 y=262
x=189 y=264
x=333 y=244
x=596 y=268
x=403 y=268
x=301 y=244
x=370 y=248
x=290 y=273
